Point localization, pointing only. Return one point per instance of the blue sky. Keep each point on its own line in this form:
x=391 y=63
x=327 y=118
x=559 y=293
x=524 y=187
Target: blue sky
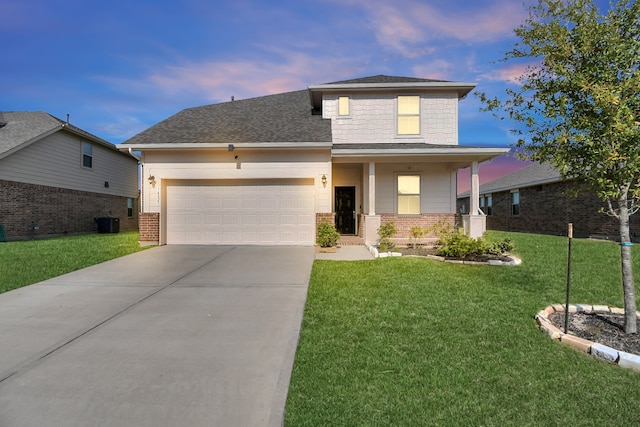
x=121 y=66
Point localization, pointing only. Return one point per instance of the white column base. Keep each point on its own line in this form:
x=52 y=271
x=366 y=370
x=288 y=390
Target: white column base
x=474 y=225
x=371 y=225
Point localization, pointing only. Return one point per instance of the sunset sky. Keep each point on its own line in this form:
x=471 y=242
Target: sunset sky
x=121 y=66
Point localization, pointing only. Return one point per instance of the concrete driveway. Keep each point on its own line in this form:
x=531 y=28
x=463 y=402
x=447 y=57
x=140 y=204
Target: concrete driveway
x=171 y=336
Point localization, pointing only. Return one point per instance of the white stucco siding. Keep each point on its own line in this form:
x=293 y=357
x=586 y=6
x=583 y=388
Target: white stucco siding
x=250 y=165
x=435 y=187
x=56 y=161
x=373 y=118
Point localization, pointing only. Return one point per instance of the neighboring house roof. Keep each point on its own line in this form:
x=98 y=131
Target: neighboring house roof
x=285 y=117
x=22 y=128
x=532 y=175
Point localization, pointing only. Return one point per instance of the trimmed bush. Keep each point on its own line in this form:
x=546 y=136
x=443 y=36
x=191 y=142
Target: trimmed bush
x=327 y=236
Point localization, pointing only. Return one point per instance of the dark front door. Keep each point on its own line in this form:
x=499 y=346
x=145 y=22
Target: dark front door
x=346 y=210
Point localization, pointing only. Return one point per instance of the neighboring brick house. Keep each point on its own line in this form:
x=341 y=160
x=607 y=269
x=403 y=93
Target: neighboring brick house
x=56 y=178
x=535 y=199
x=265 y=170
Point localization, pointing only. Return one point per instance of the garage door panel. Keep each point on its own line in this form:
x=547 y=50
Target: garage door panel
x=255 y=213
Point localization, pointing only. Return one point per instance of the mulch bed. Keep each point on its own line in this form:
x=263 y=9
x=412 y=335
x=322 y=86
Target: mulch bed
x=603 y=328
x=431 y=250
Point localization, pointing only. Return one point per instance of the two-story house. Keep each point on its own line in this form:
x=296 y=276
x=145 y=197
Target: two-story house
x=56 y=178
x=266 y=170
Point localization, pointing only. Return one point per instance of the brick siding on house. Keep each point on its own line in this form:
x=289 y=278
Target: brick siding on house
x=405 y=222
x=549 y=208
x=28 y=210
x=150 y=227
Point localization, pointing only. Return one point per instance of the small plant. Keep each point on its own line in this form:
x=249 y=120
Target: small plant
x=327 y=236
x=386 y=232
x=415 y=234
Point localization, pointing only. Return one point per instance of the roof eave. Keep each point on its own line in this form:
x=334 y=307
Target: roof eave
x=225 y=146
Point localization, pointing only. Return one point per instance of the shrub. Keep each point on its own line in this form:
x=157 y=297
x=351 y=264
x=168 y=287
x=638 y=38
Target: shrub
x=459 y=245
x=386 y=232
x=416 y=233
x=327 y=235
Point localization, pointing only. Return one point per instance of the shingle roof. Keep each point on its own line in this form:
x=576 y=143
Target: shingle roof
x=285 y=117
x=385 y=79
x=20 y=128
x=529 y=176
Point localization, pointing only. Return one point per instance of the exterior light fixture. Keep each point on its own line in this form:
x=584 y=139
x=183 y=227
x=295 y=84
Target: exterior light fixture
x=324 y=180
x=151 y=179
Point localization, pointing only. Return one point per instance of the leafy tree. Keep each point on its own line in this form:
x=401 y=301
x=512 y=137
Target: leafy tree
x=578 y=106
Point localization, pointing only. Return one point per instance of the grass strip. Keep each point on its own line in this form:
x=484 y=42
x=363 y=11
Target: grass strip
x=26 y=262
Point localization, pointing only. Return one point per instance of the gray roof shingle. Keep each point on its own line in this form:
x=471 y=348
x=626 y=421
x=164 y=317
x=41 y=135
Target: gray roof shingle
x=385 y=79
x=534 y=174
x=285 y=117
x=20 y=128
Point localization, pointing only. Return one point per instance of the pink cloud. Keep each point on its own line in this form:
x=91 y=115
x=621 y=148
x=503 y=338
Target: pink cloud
x=509 y=73
x=411 y=27
x=215 y=81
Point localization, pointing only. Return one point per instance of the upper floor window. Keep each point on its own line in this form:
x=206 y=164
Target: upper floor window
x=343 y=106
x=87 y=155
x=408 y=194
x=515 y=202
x=408 y=115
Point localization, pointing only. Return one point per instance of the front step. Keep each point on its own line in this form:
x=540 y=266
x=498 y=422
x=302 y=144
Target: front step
x=350 y=241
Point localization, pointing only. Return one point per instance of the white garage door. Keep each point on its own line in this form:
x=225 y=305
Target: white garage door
x=273 y=212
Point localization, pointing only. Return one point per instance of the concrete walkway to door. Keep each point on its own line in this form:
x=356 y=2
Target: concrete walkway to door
x=171 y=336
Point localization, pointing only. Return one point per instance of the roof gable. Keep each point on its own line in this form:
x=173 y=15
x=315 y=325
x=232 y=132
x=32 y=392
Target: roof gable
x=23 y=128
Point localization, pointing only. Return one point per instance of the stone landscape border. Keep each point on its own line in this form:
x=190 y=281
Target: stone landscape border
x=513 y=259
x=598 y=351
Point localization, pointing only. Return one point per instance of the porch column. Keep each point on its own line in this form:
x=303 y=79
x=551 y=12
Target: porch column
x=475 y=224
x=372 y=188
x=474 y=196
x=371 y=221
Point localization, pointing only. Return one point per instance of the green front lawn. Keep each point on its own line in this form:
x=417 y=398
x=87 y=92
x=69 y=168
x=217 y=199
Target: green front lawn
x=411 y=342
x=25 y=262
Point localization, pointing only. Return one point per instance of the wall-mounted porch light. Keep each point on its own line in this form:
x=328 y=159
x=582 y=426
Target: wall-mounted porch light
x=151 y=179
x=324 y=180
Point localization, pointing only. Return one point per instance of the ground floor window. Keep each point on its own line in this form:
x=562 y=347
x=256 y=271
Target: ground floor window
x=515 y=203
x=408 y=194
x=129 y=208
x=486 y=204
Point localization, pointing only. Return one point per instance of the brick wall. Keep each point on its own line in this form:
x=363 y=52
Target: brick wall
x=549 y=208
x=150 y=227
x=28 y=210
x=405 y=222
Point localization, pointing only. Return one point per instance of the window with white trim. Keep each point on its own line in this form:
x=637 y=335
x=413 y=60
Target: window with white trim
x=409 y=115
x=343 y=106
x=87 y=155
x=408 y=194
x=515 y=202
x=129 y=208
